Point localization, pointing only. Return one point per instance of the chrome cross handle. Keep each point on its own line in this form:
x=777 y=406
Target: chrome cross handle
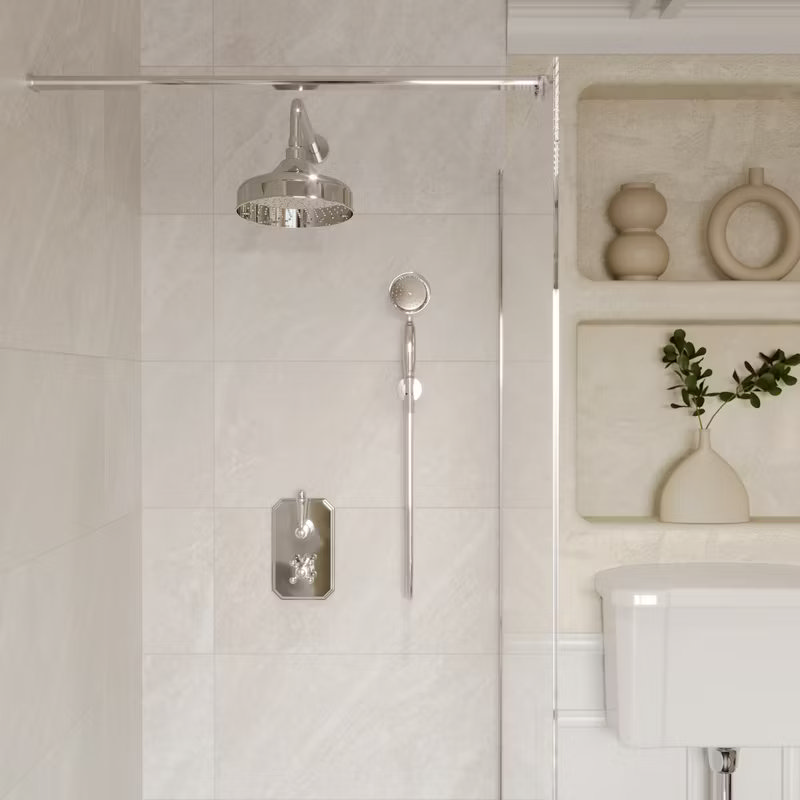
x=304 y=568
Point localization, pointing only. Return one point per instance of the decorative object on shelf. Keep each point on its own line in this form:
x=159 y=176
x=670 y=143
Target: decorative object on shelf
x=703 y=487
x=754 y=191
x=638 y=253
x=302 y=548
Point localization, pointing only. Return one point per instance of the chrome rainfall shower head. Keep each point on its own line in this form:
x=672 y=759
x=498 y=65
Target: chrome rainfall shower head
x=293 y=195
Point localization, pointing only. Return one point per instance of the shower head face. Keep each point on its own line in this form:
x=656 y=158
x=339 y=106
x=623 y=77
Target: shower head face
x=294 y=196
x=410 y=292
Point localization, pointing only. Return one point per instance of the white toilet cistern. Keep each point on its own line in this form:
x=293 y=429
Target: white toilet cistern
x=697 y=655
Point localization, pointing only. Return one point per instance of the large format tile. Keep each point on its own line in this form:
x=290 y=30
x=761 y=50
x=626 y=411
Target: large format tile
x=177 y=435
x=528 y=278
x=179 y=727
x=356 y=727
x=176 y=150
x=56 y=617
x=63 y=38
x=178 y=580
x=528 y=600
x=359 y=33
x=454 y=609
x=336 y=431
x=70 y=434
x=420 y=152
x=323 y=295
x=528 y=435
x=177 y=287
x=177 y=33
x=68 y=288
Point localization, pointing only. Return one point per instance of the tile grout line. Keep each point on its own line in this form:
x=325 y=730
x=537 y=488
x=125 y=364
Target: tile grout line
x=100 y=529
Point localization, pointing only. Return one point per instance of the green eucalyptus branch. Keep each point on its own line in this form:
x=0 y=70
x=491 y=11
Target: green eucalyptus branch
x=686 y=361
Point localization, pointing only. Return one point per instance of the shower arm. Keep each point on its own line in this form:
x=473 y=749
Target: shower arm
x=302 y=139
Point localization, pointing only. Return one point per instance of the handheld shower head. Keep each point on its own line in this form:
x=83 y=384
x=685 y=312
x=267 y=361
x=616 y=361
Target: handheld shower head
x=293 y=195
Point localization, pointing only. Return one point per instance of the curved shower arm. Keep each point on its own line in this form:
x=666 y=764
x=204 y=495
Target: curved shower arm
x=302 y=136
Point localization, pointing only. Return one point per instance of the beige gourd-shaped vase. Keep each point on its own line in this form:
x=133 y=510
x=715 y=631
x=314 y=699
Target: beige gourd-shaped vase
x=638 y=253
x=704 y=487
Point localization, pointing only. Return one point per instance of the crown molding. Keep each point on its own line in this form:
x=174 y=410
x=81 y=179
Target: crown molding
x=573 y=27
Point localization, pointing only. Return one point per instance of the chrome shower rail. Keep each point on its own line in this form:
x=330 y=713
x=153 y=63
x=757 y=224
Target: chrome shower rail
x=48 y=83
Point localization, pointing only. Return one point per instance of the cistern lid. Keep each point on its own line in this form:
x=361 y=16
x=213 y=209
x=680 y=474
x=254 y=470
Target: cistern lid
x=699 y=584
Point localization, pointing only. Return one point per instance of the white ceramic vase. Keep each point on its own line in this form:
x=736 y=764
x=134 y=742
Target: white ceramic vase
x=638 y=253
x=704 y=487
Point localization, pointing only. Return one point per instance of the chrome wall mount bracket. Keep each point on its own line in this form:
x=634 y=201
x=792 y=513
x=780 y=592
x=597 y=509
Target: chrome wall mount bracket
x=302 y=548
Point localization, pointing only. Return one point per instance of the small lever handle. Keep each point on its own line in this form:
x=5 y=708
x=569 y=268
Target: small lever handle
x=305 y=527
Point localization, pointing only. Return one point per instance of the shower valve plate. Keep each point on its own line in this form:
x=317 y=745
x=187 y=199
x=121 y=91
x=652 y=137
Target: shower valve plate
x=291 y=555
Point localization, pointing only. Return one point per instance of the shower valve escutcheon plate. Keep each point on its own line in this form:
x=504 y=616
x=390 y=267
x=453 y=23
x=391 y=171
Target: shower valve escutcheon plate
x=302 y=548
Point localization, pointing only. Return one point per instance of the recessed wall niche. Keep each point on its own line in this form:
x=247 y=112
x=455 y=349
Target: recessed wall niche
x=628 y=437
x=695 y=143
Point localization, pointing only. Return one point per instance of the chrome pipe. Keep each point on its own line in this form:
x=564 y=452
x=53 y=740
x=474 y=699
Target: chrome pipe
x=409 y=368
x=408 y=402
x=48 y=83
x=722 y=762
x=302 y=139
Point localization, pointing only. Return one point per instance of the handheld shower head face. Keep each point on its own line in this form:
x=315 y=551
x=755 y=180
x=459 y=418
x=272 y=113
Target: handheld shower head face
x=410 y=292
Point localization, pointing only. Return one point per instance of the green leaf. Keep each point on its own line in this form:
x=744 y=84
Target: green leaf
x=736 y=377
x=789 y=380
x=775 y=391
x=675 y=405
x=754 y=401
x=685 y=396
x=766 y=382
x=707 y=373
x=699 y=412
x=701 y=352
x=749 y=367
x=726 y=397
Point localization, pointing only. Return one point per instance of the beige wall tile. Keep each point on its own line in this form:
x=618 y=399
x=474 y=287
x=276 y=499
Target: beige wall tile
x=178 y=581
x=177 y=435
x=440 y=744
x=178 y=727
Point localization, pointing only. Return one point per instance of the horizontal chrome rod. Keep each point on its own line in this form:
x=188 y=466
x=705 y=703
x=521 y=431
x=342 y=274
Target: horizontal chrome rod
x=46 y=83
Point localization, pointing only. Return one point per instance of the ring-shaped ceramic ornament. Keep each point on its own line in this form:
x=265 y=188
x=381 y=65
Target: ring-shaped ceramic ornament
x=754 y=191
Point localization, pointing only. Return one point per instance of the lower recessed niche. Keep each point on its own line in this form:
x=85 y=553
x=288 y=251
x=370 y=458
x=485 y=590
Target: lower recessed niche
x=628 y=438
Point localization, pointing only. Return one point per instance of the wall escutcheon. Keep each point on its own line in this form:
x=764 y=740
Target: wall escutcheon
x=302 y=548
